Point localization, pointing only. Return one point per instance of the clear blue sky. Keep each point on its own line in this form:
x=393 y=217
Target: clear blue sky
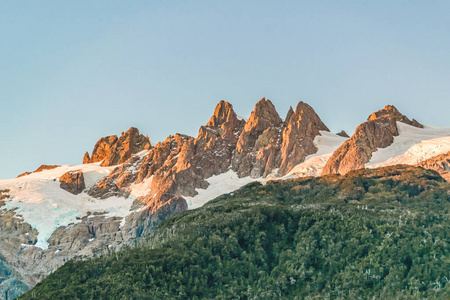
x=74 y=71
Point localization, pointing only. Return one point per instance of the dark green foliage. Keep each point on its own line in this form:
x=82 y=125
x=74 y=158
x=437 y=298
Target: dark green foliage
x=372 y=233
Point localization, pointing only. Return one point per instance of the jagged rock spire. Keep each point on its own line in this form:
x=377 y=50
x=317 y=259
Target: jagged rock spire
x=223 y=113
x=298 y=136
x=263 y=116
x=225 y=120
x=288 y=116
x=258 y=145
x=112 y=150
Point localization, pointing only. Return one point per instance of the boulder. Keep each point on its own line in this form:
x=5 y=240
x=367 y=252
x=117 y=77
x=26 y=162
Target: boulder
x=73 y=182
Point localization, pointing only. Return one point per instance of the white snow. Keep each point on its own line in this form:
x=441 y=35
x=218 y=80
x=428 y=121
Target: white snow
x=240 y=118
x=141 y=189
x=218 y=185
x=412 y=146
x=41 y=202
x=326 y=143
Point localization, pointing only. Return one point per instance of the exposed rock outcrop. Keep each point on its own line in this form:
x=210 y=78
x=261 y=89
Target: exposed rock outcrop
x=298 y=136
x=257 y=149
x=40 y=169
x=440 y=163
x=343 y=134
x=187 y=162
x=377 y=132
x=73 y=182
x=112 y=150
x=24 y=265
x=390 y=111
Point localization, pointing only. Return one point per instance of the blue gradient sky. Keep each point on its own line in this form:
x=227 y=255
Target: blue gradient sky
x=72 y=72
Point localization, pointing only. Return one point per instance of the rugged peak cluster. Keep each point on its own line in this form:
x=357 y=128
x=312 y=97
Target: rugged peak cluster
x=263 y=145
x=113 y=150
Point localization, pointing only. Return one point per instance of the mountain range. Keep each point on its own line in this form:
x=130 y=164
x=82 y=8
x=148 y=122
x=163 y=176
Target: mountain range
x=126 y=185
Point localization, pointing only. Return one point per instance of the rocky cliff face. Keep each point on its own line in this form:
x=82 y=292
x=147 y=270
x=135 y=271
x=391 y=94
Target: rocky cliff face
x=298 y=136
x=112 y=150
x=24 y=265
x=257 y=149
x=377 y=132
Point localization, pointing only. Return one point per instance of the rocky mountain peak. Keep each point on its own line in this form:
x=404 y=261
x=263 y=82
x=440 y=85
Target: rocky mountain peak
x=263 y=115
x=225 y=122
x=390 y=111
x=112 y=150
x=343 y=134
x=224 y=112
x=377 y=132
x=288 y=116
x=298 y=136
x=258 y=145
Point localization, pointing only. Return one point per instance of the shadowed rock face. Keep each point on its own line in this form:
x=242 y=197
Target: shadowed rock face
x=343 y=134
x=377 y=132
x=112 y=150
x=73 y=182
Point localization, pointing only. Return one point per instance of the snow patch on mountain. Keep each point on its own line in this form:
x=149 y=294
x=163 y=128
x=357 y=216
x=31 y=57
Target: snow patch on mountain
x=412 y=146
x=141 y=189
x=41 y=202
x=218 y=185
x=326 y=144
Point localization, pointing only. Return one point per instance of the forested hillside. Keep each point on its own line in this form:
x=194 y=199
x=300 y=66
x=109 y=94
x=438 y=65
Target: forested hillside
x=380 y=233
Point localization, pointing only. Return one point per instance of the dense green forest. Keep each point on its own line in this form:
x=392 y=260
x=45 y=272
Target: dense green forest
x=371 y=234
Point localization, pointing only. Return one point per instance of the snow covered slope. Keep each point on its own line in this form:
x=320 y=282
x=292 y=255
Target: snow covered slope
x=326 y=143
x=41 y=202
x=412 y=146
x=218 y=185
